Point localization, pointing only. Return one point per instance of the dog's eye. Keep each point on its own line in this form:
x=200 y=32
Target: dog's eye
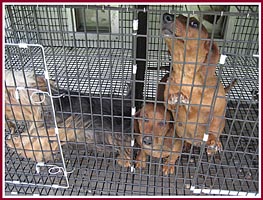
x=162 y=123
x=146 y=119
x=194 y=24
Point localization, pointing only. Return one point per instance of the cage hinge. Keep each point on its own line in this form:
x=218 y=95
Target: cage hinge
x=135 y=24
x=132 y=168
x=46 y=75
x=134 y=69
x=38 y=165
x=133 y=111
x=14 y=193
x=23 y=45
x=56 y=131
x=55 y=186
x=17 y=95
x=222 y=59
x=16 y=182
x=205 y=138
x=132 y=143
x=222 y=192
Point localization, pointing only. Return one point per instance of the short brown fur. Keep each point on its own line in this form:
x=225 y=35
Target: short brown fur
x=193 y=92
x=165 y=142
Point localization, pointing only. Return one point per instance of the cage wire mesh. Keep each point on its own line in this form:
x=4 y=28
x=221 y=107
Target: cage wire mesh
x=90 y=52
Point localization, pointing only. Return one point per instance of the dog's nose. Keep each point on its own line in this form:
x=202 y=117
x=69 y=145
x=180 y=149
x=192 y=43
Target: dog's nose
x=147 y=140
x=168 y=18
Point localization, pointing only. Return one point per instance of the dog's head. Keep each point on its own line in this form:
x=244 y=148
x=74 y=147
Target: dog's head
x=152 y=125
x=183 y=35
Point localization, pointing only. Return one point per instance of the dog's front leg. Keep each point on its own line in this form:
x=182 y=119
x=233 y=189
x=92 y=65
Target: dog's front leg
x=124 y=160
x=216 y=127
x=171 y=95
x=141 y=159
x=168 y=168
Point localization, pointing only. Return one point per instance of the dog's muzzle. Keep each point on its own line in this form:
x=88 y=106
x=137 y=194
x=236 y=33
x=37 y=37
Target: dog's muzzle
x=168 y=18
x=167 y=24
x=147 y=140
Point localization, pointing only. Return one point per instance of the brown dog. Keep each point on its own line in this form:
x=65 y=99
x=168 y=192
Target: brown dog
x=40 y=143
x=194 y=94
x=157 y=137
x=23 y=104
x=90 y=118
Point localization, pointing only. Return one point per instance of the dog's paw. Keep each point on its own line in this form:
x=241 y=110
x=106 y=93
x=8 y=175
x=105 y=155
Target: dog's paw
x=187 y=147
x=214 y=147
x=140 y=164
x=173 y=98
x=177 y=98
x=184 y=99
x=123 y=161
x=168 y=168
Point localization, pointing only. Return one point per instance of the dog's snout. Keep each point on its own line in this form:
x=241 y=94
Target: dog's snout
x=147 y=140
x=168 y=18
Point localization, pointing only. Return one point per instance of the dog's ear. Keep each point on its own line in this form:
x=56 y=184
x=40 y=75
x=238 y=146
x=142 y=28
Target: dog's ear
x=211 y=59
x=213 y=53
x=161 y=87
x=136 y=126
x=137 y=114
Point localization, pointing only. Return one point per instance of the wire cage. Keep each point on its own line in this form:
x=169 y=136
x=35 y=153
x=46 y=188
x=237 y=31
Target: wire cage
x=75 y=79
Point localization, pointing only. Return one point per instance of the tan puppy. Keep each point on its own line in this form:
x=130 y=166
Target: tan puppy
x=157 y=137
x=194 y=94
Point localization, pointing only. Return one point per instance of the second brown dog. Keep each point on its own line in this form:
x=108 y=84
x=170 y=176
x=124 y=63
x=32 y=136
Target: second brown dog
x=194 y=94
x=157 y=137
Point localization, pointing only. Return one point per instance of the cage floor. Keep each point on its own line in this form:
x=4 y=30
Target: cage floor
x=234 y=169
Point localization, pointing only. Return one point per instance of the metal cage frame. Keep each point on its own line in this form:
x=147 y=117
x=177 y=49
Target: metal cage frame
x=93 y=90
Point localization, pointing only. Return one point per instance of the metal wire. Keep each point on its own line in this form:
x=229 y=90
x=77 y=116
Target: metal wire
x=104 y=66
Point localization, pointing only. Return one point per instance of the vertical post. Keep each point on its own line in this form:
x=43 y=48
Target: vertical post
x=141 y=54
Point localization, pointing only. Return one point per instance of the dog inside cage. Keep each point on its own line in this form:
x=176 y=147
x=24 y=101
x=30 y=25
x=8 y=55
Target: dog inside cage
x=135 y=100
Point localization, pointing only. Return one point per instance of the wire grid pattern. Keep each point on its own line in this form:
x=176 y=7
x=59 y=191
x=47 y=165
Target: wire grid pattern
x=246 y=31
x=236 y=168
x=71 y=68
x=105 y=177
x=245 y=70
x=49 y=26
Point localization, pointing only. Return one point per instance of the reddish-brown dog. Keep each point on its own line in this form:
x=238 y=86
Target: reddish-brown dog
x=157 y=137
x=194 y=94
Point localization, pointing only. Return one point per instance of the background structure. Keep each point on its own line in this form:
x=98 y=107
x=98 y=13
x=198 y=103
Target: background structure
x=92 y=49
